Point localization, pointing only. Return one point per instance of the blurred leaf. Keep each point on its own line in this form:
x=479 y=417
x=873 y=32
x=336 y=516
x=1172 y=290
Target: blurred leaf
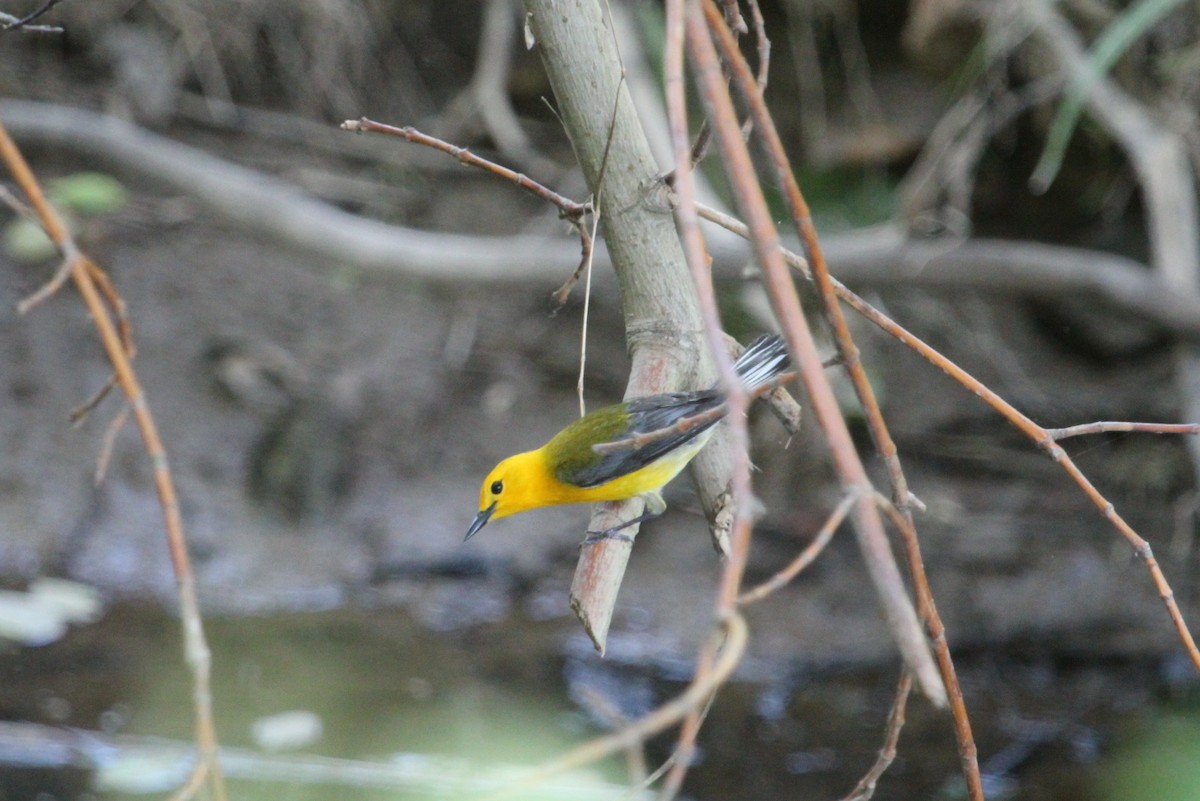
x=40 y=616
x=74 y=602
x=24 y=620
x=846 y=198
x=287 y=731
x=1124 y=30
x=1162 y=765
x=26 y=242
x=88 y=193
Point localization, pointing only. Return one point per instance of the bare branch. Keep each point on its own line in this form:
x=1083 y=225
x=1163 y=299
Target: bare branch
x=880 y=562
x=804 y=558
x=567 y=207
x=11 y=23
x=865 y=788
x=95 y=292
x=1058 y=434
x=882 y=256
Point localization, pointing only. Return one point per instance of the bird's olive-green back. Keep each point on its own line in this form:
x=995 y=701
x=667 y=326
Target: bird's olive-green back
x=570 y=456
x=570 y=453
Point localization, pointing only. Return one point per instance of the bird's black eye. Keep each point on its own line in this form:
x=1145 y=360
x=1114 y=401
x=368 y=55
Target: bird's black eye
x=497 y=487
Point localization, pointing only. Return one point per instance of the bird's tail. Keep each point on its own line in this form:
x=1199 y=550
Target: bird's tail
x=763 y=360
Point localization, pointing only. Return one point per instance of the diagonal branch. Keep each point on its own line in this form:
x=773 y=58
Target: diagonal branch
x=196 y=652
x=765 y=241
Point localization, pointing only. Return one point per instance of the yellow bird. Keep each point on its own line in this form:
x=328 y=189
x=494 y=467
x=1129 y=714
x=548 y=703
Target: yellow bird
x=568 y=469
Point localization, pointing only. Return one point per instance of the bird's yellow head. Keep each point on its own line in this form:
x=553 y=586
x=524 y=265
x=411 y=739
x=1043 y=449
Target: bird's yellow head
x=517 y=484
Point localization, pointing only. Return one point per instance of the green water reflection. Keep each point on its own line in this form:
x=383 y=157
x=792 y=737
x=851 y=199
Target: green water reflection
x=446 y=706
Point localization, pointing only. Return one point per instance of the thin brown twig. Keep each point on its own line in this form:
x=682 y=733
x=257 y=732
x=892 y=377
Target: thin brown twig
x=737 y=24
x=805 y=557
x=873 y=543
x=736 y=397
x=731 y=223
x=51 y=287
x=108 y=444
x=567 y=207
x=1082 y=429
x=865 y=788
x=196 y=652
x=763 y=45
x=586 y=246
x=802 y=221
x=1044 y=441
x=603 y=707
x=682 y=181
x=1044 y=438
x=116 y=305
x=80 y=412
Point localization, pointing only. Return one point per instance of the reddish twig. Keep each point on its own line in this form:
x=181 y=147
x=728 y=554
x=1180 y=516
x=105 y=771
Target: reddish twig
x=765 y=242
x=1044 y=438
x=802 y=221
x=83 y=272
x=1046 y=442
x=586 y=246
x=737 y=399
x=887 y=754
x=763 y=43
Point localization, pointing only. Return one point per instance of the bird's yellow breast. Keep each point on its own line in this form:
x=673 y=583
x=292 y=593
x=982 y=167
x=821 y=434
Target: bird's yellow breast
x=650 y=478
x=529 y=481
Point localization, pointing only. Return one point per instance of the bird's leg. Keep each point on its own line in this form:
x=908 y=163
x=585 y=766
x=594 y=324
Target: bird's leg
x=655 y=506
x=614 y=533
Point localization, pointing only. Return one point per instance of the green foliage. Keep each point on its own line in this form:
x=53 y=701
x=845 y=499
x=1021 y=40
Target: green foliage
x=26 y=242
x=1108 y=48
x=78 y=195
x=846 y=198
x=1161 y=766
x=88 y=193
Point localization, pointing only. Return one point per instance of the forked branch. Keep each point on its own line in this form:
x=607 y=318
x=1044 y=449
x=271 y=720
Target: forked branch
x=94 y=287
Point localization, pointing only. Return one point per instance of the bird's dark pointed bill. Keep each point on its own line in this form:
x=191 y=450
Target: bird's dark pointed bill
x=480 y=521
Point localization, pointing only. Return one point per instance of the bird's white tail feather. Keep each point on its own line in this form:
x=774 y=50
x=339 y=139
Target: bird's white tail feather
x=765 y=358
